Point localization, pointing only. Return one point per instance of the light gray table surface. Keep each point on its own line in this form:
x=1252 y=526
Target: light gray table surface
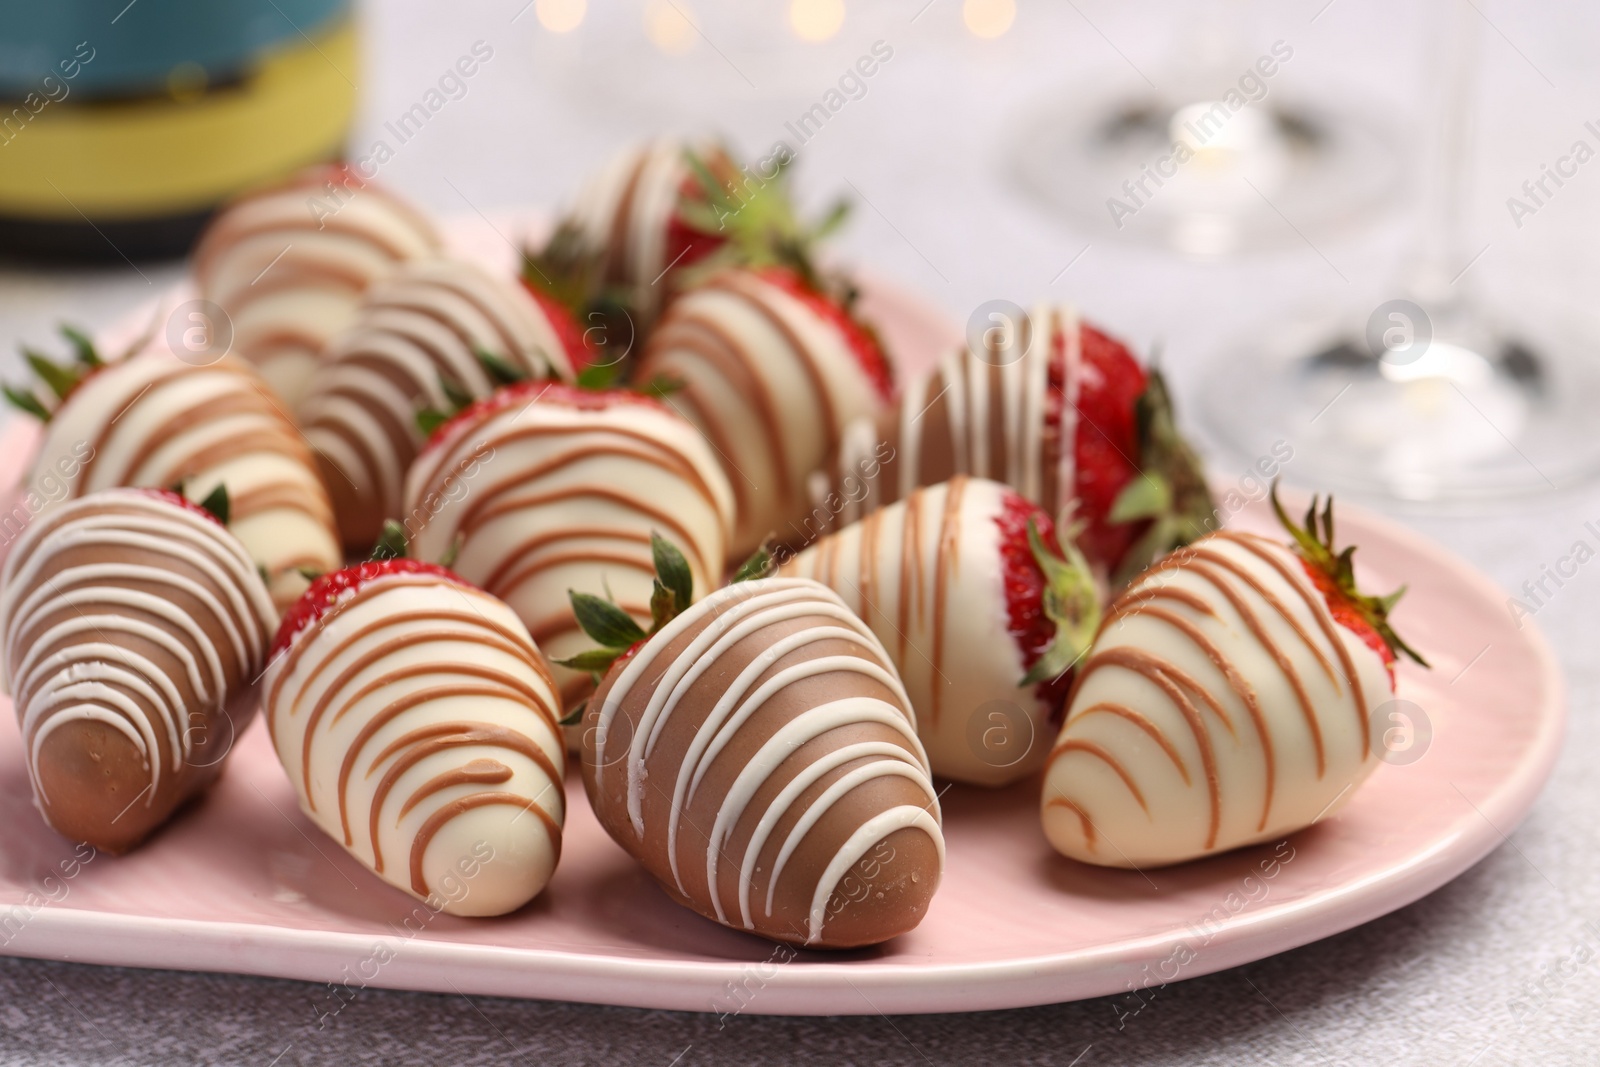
x=1451 y=979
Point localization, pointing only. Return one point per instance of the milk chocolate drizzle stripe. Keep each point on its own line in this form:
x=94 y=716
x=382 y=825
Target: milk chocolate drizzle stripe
x=1083 y=818
x=1173 y=683
x=393 y=710
x=473 y=619
x=1241 y=689
x=424 y=668
x=1200 y=566
x=419 y=744
x=1090 y=748
x=678 y=340
x=1155 y=733
x=1262 y=549
x=460 y=805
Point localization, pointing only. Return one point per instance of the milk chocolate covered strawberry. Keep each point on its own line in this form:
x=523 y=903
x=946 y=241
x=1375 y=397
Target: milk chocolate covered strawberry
x=758 y=755
x=134 y=626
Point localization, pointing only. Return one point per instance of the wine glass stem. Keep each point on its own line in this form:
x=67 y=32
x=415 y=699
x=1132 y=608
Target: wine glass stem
x=1441 y=253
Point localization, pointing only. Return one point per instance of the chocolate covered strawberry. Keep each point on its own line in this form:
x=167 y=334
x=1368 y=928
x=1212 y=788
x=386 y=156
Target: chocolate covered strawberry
x=545 y=488
x=774 y=364
x=1054 y=408
x=1228 y=699
x=435 y=333
x=983 y=607
x=658 y=210
x=756 y=752
x=149 y=418
x=418 y=722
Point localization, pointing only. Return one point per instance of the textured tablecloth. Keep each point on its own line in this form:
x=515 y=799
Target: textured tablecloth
x=1481 y=972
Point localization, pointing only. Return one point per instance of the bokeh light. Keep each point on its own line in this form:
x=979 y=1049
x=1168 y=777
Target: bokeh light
x=816 y=20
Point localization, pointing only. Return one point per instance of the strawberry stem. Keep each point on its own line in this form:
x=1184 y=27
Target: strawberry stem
x=613 y=629
x=1071 y=600
x=1313 y=542
x=1170 y=492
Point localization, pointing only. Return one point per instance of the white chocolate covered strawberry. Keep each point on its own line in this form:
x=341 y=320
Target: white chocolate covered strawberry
x=546 y=488
x=1227 y=700
x=773 y=367
x=418 y=723
x=435 y=334
x=289 y=263
x=981 y=610
x=1054 y=408
x=154 y=420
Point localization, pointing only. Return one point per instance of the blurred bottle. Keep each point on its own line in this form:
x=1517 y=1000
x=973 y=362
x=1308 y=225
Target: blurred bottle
x=123 y=125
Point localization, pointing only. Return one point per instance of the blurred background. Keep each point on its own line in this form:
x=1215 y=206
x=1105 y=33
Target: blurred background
x=997 y=153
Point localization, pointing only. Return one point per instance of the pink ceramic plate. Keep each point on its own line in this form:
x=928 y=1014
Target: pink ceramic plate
x=243 y=882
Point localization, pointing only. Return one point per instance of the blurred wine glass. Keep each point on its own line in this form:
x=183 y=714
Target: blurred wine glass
x=1442 y=395
x=1211 y=160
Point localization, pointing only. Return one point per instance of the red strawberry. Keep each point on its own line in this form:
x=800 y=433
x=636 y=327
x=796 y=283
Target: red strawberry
x=972 y=635
x=862 y=338
x=546 y=392
x=327 y=591
x=1333 y=573
x=1136 y=487
x=1106 y=444
x=565 y=324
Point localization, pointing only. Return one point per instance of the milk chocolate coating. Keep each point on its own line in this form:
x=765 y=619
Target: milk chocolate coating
x=424 y=323
x=981 y=413
x=770 y=383
x=759 y=757
x=1221 y=705
x=546 y=496
x=418 y=723
x=155 y=420
x=133 y=629
x=289 y=263
x=927 y=575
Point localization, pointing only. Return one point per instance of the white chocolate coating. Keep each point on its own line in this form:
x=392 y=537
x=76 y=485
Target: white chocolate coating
x=770 y=383
x=423 y=323
x=154 y=420
x=289 y=264
x=1221 y=706
x=130 y=611
x=547 y=497
x=980 y=413
x=625 y=211
x=418 y=723
x=926 y=574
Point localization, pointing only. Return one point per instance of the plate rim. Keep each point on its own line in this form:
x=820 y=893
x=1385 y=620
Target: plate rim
x=829 y=987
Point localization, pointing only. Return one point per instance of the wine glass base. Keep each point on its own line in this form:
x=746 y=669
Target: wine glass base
x=1203 y=180
x=1478 y=414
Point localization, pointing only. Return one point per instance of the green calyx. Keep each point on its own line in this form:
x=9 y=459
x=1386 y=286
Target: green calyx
x=217 y=504
x=391 y=543
x=1071 y=600
x=1313 y=542
x=59 y=378
x=755 y=217
x=613 y=629
x=458 y=397
x=1170 y=491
